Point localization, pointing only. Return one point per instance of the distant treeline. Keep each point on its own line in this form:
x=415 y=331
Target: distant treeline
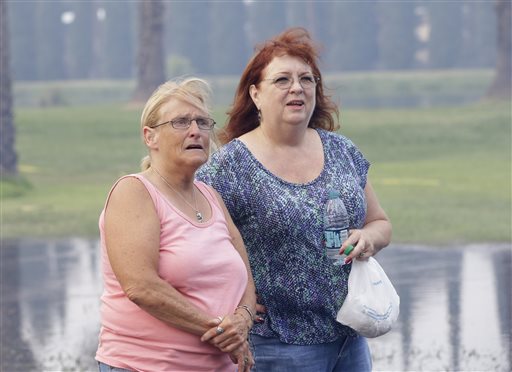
x=60 y=40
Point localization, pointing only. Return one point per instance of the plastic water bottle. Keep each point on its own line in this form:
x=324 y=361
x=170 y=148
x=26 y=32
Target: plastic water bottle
x=335 y=227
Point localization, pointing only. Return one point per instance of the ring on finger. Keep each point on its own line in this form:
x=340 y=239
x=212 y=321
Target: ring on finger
x=219 y=330
x=361 y=255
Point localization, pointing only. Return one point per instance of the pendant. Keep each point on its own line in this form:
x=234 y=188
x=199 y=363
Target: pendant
x=199 y=216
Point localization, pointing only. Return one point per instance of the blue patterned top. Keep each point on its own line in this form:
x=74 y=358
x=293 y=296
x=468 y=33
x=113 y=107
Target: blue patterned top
x=282 y=227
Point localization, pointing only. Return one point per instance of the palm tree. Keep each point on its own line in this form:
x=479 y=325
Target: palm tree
x=150 y=61
x=8 y=158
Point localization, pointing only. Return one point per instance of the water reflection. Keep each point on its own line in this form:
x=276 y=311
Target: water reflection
x=52 y=288
x=455 y=307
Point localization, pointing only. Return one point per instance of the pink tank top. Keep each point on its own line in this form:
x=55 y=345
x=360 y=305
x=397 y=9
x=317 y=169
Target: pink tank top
x=197 y=259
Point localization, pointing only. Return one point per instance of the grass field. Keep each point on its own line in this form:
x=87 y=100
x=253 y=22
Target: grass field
x=443 y=174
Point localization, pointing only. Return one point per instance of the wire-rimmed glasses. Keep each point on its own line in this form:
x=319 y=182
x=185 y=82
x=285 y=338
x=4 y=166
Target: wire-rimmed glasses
x=308 y=81
x=185 y=123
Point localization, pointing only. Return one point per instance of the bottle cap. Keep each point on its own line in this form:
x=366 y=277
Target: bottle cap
x=333 y=194
x=349 y=249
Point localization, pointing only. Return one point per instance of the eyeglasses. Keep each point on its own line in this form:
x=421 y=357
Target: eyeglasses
x=285 y=82
x=185 y=123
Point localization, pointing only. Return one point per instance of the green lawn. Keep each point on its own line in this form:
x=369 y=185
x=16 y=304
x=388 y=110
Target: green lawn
x=442 y=174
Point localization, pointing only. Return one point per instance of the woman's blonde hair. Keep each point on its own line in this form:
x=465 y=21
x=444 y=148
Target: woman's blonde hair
x=192 y=90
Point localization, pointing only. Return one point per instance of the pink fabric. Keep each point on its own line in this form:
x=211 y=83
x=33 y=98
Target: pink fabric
x=199 y=260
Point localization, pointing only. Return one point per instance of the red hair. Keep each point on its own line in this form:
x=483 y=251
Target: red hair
x=295 y=42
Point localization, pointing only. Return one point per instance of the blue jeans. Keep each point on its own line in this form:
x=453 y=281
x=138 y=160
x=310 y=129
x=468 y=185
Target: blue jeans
x=347 y=354
x=106 y=368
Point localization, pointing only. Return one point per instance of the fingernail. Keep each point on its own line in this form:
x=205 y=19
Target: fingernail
x=259 y=319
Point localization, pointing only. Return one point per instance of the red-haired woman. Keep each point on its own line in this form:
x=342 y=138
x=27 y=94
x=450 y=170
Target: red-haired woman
x=280 y=160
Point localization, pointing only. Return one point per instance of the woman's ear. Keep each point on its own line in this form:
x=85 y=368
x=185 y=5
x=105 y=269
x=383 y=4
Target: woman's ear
x=253 y=92
x=150 y=136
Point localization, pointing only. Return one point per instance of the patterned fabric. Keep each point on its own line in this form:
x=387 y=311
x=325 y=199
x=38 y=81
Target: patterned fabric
x=282 y=227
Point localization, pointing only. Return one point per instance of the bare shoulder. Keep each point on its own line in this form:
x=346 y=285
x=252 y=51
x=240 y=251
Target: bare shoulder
x=129 y=191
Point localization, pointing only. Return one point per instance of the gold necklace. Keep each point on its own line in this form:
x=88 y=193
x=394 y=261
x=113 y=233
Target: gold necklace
x=199 y=216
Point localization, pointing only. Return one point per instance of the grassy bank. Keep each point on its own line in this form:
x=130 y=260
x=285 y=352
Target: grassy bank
x=442 y=174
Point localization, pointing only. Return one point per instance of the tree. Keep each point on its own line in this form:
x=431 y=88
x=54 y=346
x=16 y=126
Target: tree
x=354 y=36
x=479 y=35
x=118 y=51
x=297 y=14
x=229 y=52
x=501 y=85
x=50 y=40
x=8 y=158
x=274 y=14
x=23 y=40
x=397 y=43
x=150 y=61
x=80 y=40
x=445 y=41
x=187 y=33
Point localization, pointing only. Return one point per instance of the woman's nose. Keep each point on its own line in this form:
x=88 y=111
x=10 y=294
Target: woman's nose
x=194 y=128
x=296 y=86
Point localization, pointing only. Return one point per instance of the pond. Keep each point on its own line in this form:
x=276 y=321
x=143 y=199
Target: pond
x=455 y=311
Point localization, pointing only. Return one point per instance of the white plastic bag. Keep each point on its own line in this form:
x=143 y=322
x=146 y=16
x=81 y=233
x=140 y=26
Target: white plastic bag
x=372 y=304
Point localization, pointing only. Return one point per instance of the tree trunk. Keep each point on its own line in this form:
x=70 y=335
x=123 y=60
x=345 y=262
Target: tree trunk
x=150 y=62
x=8 y=158
x=501 y=85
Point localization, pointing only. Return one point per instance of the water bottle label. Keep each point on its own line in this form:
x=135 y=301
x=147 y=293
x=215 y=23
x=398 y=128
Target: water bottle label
x=333 y=238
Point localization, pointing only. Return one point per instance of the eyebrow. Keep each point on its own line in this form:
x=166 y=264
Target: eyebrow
x=289 y=73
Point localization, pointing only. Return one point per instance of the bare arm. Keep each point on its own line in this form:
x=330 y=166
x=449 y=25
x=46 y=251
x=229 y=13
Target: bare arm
x=238 y=324
x=249 y=296
x=376 y=232
x=132 y=234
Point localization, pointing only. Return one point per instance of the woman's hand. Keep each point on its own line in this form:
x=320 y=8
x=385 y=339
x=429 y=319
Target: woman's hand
x=376 y=232
x=227 y=333
x=363 y=245
x=243 y=357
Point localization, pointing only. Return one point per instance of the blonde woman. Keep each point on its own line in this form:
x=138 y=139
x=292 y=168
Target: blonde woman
x=178 y=294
